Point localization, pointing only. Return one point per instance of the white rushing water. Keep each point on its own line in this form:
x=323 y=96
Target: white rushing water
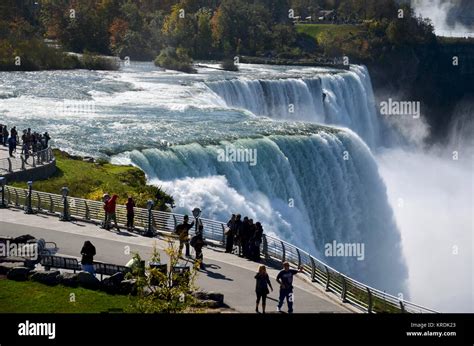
x=308 y=184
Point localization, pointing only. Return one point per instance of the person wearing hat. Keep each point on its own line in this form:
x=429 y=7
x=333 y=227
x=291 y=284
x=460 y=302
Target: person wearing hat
x=182 y=230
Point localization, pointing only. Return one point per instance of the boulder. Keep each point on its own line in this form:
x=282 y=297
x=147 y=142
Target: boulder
x=18 y=273
x=211 y=304
x=50 y=277
x=128 y=287
x=5 y=267
x=209 y=296
x=87 y=280
x=112 y=284
x=68 y=279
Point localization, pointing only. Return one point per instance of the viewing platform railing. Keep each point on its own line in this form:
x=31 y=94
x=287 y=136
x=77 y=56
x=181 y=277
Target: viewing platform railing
x=366 y=298
x=23 y=162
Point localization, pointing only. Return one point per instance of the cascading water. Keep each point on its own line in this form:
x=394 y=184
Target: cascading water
x=343 y=99
x=303 y=188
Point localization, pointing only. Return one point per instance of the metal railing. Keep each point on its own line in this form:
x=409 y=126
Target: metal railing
x=272 y=249
x=22 y=162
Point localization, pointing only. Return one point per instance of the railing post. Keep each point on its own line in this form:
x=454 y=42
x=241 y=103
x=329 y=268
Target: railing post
x=33 y=159
x=344 y=289
x=283 y=257
x=22 y=162
x=51 y=204
x=402 y=307
x=299 y=257
x=28 y=208
x=87 y=216
x=328 y=278
x=2 y=185
x=370 y=302
x=65 y=214
x=17 y=199
x=10 y=169
x=265 y=247
x=39 y=202
x=313 y=269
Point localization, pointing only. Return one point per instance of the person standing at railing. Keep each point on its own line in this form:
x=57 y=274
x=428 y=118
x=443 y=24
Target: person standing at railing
x=5 y=135
x=88 y=252
x=130 y=213
x=11 y=146
x=110 y=212
x=182 y=230
x=230 y=233
x=285 y=279
x=261 y=289
x=255 y=242
x=239 y=225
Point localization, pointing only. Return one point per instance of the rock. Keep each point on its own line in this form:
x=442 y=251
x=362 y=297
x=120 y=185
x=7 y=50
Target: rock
x=68 y=279
x=112 y=284
x=5 y=267
x=212 y=296
x=211 y=304
x=128 y=287
x=87 y=280
x=23 y=239
x=18 y=273
x=50 y=277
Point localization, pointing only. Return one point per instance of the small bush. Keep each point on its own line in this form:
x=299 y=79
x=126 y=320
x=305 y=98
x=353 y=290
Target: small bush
x=175 y=59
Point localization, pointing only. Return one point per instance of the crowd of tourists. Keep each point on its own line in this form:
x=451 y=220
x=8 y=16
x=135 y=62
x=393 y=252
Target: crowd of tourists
x=31 y=142
x=244 y=237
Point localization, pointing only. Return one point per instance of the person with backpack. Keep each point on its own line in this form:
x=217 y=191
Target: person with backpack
x=130 y=213
x=182 y=230
x=261 y=289
x=285 y=279
x=88 y=252
x=197 y=242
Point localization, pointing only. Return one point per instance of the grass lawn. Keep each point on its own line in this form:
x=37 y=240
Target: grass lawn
x=91 y=180
x=315 y=30
x=34 y=297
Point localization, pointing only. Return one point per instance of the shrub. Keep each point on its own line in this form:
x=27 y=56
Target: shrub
x=175 y=59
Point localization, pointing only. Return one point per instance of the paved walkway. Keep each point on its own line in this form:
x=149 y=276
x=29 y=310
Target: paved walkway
x=228 y=274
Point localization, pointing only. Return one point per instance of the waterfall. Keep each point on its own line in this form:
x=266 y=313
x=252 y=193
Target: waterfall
x=309 y=190
x=344 y=99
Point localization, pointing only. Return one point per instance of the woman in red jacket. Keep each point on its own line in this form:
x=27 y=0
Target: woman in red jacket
x=110 y=211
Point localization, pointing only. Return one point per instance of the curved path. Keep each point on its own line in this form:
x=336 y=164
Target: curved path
x=224 y=273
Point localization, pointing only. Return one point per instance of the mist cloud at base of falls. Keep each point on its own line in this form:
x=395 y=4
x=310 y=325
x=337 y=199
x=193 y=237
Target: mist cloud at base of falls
x=334 y=199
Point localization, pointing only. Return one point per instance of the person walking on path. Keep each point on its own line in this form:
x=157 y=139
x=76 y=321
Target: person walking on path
x=182 y=230
x=130 y=213
x=261 y=289
x=88 y=253
x=285 y=279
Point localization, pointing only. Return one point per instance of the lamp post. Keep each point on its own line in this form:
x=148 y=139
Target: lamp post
x=149 y=230
x=3 y=182
x=65 y=215
x=28 y=208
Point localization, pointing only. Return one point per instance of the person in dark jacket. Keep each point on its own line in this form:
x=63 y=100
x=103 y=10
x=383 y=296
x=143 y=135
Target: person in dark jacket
x=182 y=230
x=261 y=289
x=285 y=279
x=230 y=235
x=256 y=241
x=130 y=213
x=238 y=233
x=88 y=253
x=197 y=242
x=245 y=237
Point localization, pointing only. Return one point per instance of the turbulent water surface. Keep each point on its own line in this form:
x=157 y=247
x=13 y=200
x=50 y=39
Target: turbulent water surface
x=313 y=178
